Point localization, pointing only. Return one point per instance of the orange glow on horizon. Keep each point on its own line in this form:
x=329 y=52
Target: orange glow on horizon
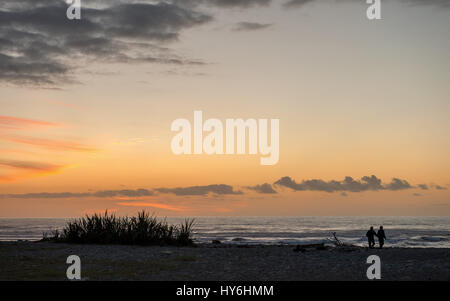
x=147 y=204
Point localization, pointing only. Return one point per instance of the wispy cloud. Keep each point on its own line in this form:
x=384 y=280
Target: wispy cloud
x=27 y=169
x=250 y=26
x=49 y=143
x=296 y=3
x=39 y=166
x=15 y=123
x=98 y=194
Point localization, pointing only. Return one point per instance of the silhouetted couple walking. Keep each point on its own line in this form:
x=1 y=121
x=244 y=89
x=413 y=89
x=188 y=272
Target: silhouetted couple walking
x=371 y=237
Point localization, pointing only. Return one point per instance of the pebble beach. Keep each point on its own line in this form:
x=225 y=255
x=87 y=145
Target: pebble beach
x=218 y=262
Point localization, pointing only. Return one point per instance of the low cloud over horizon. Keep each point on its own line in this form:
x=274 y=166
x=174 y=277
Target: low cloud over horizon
x=366 y=183
x=221 y=189
x=263 y=188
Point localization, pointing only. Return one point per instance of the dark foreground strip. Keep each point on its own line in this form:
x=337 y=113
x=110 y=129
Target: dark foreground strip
x=204 y=290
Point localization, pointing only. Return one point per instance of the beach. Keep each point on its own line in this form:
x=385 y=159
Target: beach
x=24 y=260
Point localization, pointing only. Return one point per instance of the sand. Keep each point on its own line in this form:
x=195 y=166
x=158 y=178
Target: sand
x=47 y=261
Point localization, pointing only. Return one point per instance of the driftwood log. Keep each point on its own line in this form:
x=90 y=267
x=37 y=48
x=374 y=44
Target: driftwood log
x=338 y=245
x=341 y=246
x=304 y=247
x=336 y=241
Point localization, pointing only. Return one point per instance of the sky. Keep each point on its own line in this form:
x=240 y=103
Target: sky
x=87 y=106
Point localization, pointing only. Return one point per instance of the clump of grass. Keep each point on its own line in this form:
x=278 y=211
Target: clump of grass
x=144 y=229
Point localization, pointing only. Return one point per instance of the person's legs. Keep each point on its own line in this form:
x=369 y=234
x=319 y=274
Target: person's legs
x=381 y=243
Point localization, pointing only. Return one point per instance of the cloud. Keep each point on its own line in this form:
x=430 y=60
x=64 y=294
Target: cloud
x=296 y=3
x=426 y=187
x=221 y=189
x=63 y=195
x=49 y=143
x=366 y=183
x=301 y=3
x=250 y=26
x=15 y=123
x=27 y=169
x=45 y=195
x=398 y=184
x=39 y=46
x=441 y=3
x=148 y=204
x=423 y=186
x=32 y=168
x=38 y=166
x=265 y=188
x=224 y=3
x=125 y=192
x=240 y=3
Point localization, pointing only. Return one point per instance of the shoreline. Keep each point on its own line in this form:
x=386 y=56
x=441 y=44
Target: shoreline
x=220 y=262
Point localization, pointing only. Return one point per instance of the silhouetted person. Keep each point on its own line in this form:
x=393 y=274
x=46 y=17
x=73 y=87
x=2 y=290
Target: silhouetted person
x=381 y=237
x=371 y=237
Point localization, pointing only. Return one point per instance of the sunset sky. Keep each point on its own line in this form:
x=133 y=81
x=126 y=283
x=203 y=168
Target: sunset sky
x=87 y=105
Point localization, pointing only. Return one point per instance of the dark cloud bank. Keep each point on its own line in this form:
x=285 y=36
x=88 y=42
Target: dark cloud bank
x=39 y=46
x=366 y=183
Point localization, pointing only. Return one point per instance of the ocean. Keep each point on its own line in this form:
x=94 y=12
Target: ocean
x=412 y=232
